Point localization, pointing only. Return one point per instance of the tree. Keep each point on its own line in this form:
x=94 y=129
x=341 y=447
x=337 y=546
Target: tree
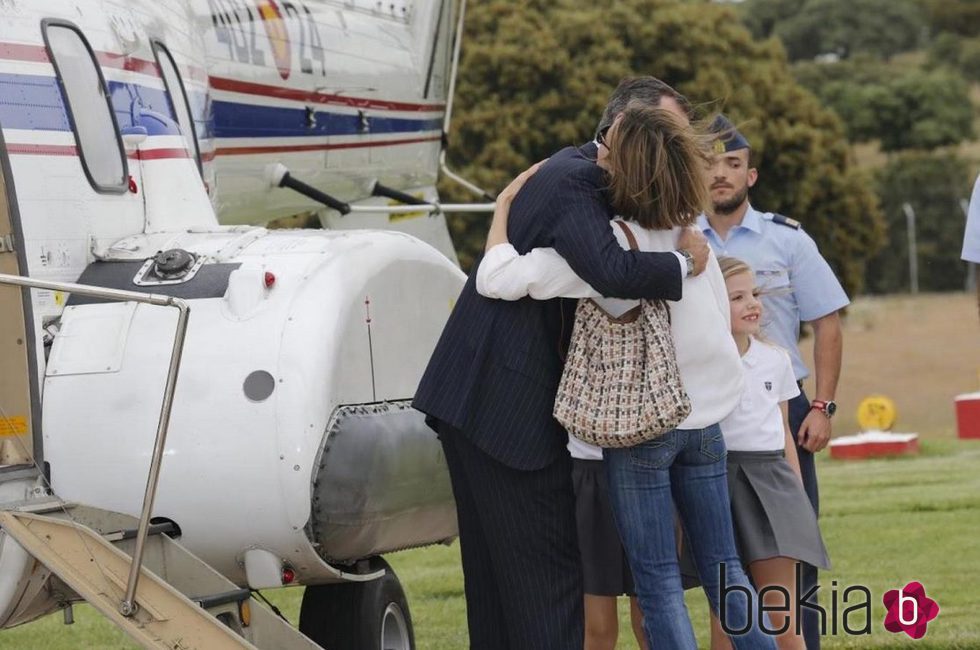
x=904 y=109
x=763 y=16
x=933 y=184
x=813 y=27
x=535 y=76
x=958 y=53
x=958 y=16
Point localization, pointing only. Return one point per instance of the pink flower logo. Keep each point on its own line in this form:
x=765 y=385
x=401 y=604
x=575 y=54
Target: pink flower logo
x=909 y=610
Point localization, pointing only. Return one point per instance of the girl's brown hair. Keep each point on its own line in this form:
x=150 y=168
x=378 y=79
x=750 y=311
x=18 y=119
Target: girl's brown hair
x=656 y=165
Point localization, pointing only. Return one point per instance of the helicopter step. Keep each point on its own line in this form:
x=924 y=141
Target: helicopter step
x=92 y=568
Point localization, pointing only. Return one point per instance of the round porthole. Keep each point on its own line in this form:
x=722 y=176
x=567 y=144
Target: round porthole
x=259 y=385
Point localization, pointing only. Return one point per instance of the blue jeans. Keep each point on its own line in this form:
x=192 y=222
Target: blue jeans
x=688 y=465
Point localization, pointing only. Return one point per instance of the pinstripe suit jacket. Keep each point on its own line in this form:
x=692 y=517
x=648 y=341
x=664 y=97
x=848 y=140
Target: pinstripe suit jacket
x=495 y=370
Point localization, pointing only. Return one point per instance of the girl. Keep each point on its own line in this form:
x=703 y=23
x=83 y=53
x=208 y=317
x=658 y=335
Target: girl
x=775 y=525
x=685 y=465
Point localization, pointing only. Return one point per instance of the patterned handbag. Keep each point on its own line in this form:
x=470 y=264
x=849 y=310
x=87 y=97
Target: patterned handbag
x=621 y=385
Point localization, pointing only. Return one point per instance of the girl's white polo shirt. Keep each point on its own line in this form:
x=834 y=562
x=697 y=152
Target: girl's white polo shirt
x=756 y=424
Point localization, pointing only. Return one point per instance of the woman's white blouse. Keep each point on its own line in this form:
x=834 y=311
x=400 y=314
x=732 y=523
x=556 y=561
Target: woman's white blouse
x=707 y=357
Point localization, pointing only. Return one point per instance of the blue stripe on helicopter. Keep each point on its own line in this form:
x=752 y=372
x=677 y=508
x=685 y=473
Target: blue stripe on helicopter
x=34 y=102
x=236 y=120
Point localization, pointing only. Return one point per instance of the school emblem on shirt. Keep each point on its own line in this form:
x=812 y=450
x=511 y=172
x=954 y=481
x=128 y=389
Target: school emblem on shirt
x=769 y=386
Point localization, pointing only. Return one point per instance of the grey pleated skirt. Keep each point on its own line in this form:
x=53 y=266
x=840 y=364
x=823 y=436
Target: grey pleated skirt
x=605 y=569
x=771 y=514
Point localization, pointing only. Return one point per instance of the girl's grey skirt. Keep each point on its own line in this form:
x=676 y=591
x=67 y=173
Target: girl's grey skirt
x=771 y=514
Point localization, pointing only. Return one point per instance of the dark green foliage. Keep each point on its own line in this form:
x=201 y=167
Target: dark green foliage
x=762 y=17
x=535 y=77
x=958 y=16
x=958 y=53
x=933 y=184
x=812 y=27
x=970 y=59
x=904 y=109
x=946 y=49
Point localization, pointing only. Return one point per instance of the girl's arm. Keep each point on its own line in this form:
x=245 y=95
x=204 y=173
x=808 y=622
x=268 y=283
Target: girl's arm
x=791 y=456
x=541 y=273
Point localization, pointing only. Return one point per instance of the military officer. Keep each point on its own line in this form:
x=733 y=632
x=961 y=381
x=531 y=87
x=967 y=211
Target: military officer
x=798 y=286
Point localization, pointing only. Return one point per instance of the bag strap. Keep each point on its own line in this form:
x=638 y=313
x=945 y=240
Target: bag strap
x=632 y=314
x=629 y=234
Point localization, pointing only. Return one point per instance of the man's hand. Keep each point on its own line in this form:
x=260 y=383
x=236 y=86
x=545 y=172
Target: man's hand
x=814 y=431
x=693 y=241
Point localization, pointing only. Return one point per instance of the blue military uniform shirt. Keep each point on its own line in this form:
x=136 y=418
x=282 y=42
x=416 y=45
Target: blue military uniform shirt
x=797 y=282
x=971 y=238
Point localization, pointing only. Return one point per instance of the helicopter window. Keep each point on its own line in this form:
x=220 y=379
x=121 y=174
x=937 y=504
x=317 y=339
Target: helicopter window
x=87 y=103
x=178 y=98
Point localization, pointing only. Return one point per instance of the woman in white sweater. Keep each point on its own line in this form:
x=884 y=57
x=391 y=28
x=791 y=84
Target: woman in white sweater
x=687 y=465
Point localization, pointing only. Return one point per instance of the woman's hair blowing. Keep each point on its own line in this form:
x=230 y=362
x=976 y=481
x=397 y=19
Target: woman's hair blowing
x=656 y=165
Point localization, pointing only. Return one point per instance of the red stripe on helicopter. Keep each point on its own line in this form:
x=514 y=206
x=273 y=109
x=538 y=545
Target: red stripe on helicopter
x=142 y=66
x=238 y=151
x=24 y=52
x=43 y=149
x=128 y=63
x=158 y=154
x=39 y=54
x=250 y=88
x=72 y=150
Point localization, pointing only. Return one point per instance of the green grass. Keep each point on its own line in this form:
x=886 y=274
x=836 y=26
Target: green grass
x=885 y=522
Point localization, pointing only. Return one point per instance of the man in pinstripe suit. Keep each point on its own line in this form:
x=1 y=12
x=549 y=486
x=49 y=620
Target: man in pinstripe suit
x=490 y=388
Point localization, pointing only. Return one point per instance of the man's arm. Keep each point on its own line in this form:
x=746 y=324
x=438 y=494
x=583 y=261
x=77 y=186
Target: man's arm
x=820 y=298
x=581 y=234
x=828 y=348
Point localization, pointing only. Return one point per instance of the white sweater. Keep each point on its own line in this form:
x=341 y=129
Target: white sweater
x=707 y=357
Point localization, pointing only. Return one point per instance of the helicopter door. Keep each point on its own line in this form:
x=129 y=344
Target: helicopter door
x=17 y=372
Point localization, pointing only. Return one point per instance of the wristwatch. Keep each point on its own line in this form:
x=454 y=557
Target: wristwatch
x=689 y=259
x=827 y=408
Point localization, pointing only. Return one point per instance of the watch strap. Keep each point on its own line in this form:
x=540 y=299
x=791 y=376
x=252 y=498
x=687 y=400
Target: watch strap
x=688 y=259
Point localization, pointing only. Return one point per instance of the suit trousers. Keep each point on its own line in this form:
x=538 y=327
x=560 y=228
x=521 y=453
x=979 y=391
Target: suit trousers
x=799 y=407
x=521 y=567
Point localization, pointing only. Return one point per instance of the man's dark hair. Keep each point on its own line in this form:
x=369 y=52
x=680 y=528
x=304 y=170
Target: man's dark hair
x=646 y=89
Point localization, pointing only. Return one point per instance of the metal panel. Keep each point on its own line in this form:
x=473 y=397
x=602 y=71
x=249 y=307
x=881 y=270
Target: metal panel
x=210 y=282
x=382 y=484
x=91 y=341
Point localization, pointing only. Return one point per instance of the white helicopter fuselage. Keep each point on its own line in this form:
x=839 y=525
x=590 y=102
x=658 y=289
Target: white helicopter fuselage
x=291 y=438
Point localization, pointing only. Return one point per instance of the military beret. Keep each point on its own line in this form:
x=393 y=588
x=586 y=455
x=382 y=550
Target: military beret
x=729 y=138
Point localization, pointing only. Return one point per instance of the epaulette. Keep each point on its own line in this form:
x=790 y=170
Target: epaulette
x=786 y=221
